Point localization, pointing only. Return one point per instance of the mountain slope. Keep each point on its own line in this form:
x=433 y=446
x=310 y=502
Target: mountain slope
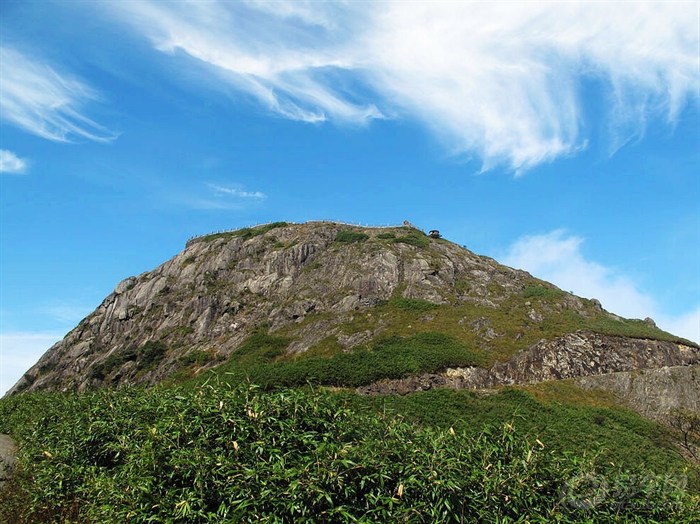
x=281 y=294
x=381 y=310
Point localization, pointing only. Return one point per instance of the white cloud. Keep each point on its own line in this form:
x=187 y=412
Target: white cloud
x=556 y=257
x=19 y=351
x=45 y=102
x=500 y=81
x=280 y=53
x=236 y=192
x=11 y=163
x=687 y=325
x=218 y=197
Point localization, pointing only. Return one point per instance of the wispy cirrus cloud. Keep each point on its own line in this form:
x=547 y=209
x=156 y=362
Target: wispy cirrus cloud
x=11 y=163
x=45 y=102
x=497 y=81
x=283 y=54
x=236 y=192
x=231 y=197
x=557 y=257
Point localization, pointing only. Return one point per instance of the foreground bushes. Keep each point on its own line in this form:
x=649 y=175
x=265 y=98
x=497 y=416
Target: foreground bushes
x=215 y=454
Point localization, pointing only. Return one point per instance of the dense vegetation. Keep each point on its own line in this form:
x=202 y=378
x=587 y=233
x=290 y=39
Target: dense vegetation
x=559 y=413
x=413 y=237
x=391 y=357
x=145 y=357
x=207 y=446
x=220 y=454
x=347 y=236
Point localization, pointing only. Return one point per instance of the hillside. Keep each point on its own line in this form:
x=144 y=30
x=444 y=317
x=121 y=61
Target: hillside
x=299 y=295
x=455 y=389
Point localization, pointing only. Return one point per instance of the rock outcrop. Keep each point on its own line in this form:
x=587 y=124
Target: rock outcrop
x=575 y=355
x=212 y=295
x=8 y=458
x=652 y=392
x=322 y=281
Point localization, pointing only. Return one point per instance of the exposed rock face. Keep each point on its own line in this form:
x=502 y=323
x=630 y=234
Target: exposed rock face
x=211 y=296
x=8 y=458
x=652 y=392
x=312 y=282
x=581 y=354
x=652 y=377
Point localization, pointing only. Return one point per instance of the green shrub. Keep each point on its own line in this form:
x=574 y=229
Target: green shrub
x=414 y=238
x=189 y=260
x=463 y=285
x=347 y=236
x=386 y=236
x=261 y=347
x=146 y=357
x=247 y=233
x=150 y=354
x=197 y=357
x=113 y=362
x=217 y=236
x=393 y=357
x=183 y=331
x=215 y=454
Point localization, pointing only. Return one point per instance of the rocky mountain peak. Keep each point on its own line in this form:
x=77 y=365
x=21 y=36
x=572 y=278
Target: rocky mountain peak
x=321 y=287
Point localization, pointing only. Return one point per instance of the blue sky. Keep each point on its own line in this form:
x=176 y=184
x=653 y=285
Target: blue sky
x=562 y=138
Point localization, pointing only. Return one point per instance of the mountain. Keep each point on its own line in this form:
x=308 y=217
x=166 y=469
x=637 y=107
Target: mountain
x=455 y=389
x=416 y=310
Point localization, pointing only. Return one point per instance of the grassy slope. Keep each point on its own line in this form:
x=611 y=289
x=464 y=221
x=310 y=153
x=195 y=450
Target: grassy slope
x=566 y=419
x=215 y=454
x=416 y=337
x=563 y=416
x=169 y=453
x=514 y=329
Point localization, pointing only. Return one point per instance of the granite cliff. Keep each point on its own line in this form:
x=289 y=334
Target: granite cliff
x=327 y=288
